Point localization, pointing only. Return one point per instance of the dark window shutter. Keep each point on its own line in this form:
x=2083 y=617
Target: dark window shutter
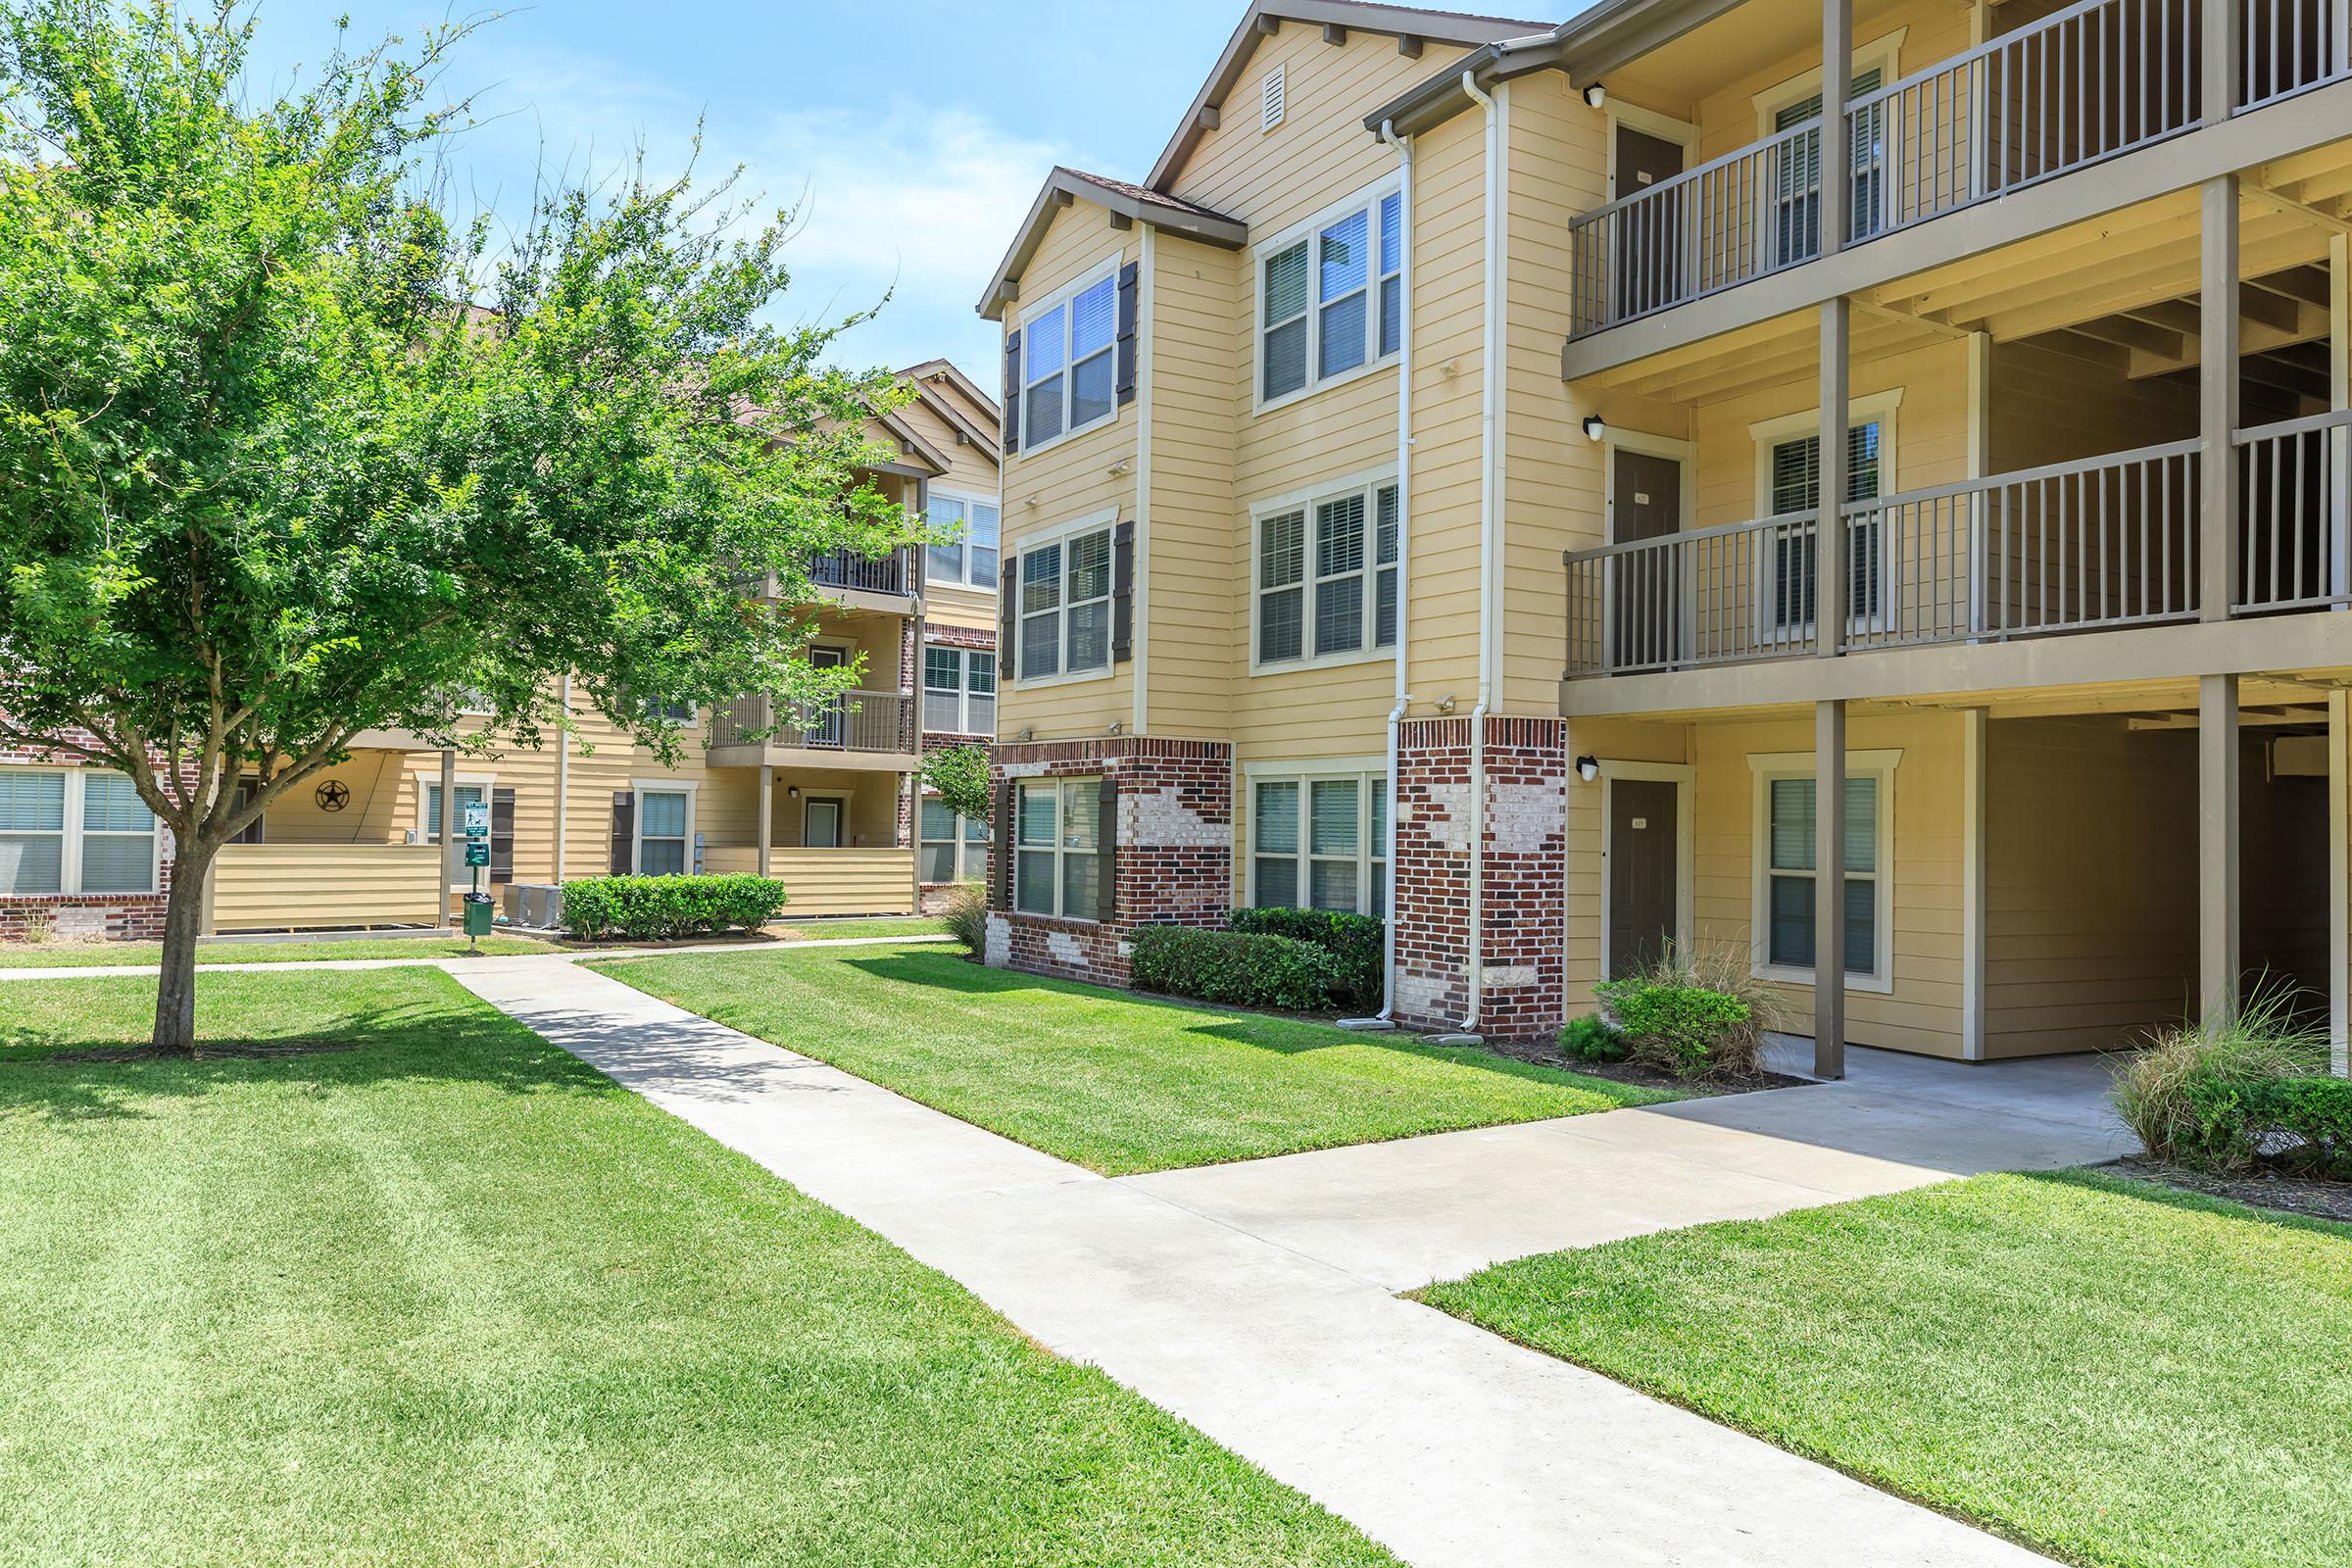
x=624 y=832
x=501 y=835
x=1107 y=838
x=1012 y=390
x=1009 y=579
x=1123 y=592
x=1008 y=802
x=1128 y=294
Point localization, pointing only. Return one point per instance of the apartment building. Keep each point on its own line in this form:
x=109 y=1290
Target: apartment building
x=1415 y=504
x=829 y=801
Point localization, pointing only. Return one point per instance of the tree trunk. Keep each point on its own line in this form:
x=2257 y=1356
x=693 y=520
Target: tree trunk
x=183 y=923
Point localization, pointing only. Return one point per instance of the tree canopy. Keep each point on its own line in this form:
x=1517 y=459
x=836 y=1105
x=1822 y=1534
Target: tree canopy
x=291 y=449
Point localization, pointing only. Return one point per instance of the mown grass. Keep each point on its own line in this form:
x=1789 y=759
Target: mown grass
x=98 y=954
x=444 y=1295
x=2114 y=1372
x=1116 y=1082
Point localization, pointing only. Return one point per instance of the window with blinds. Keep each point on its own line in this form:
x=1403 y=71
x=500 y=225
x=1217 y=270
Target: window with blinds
x=1797 y=185
x=1795 y=486
x=1332 y=302
x=74 y=830
x=1792 y=865
x=1327 y=577
x=1320 y=843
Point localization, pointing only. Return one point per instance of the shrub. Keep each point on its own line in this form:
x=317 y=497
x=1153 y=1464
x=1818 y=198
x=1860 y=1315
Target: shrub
x=2183 y=1094
x=1245 y=969
x=645 y=908
x=1354 y=941
x=1670 y=1024
x=1676 y=1029
x=1593 y=1038
x=2301 y=1125
x=968 y=916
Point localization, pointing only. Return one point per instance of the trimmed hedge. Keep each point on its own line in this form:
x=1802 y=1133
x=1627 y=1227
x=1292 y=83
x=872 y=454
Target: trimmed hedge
x=654 y=908
x=1353 y=942
x=1683 y=1030
x=1243 y=968
x=2302 y=1126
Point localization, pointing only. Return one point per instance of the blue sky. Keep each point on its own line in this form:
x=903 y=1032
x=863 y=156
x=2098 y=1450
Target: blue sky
x=910 y=135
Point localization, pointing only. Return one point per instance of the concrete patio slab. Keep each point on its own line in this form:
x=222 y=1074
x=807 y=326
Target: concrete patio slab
x=1447 y=1444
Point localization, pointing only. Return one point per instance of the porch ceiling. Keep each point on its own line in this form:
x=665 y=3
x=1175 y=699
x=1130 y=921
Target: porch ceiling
x=2276 y=699
x=1676 y=75
x=1763 y=355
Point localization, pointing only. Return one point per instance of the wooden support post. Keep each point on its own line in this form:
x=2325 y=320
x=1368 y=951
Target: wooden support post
x=2222 y=32
x=2340 y=396
x=2219 y=873
x=1976 y=731
x=447 y=827
x=1832 y=592
x=1829 y=889
x=2339 y=889
x=2217 y=397
x=767 y=816
x=1837 y=141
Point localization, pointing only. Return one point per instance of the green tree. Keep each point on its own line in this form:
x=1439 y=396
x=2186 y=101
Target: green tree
x=959 y=773
x=289 y=450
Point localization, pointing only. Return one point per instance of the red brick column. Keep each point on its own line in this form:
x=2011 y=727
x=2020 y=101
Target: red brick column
x=1174 y=832
x=1523 y=875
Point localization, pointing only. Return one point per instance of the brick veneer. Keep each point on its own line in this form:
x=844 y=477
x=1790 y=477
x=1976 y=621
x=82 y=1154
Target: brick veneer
x=1524 y=875
x=1175 y=849
x=117 y=916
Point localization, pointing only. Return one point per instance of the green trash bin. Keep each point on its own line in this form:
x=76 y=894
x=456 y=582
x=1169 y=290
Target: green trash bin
x=478 y=916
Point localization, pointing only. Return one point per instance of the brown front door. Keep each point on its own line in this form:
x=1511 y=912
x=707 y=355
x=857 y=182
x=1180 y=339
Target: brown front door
x=1642 y=871
x=1649 y=264
x=1645 y=501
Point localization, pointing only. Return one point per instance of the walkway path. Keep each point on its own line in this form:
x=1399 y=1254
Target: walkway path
x=1256 y=1300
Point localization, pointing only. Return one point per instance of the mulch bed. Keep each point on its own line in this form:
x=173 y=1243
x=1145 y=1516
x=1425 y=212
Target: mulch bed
x=2286 y=1195
x=1546 y=1054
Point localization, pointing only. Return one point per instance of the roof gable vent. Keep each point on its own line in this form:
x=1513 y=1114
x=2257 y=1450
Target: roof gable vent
x=1270 y=99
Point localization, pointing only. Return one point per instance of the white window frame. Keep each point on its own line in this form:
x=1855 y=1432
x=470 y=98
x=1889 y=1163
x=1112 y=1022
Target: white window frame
x=1370 y=775
x=1884 y=52
x=972 y=853
x=1766 y=766
x=1368 y=200
x=1105 y=522
x=963 y=546
x=1062 y=300
x=1089 y=787
x=1878 y=407
x=1368 y=485
x=642 y=787
x=963 y=690
x=72 y=832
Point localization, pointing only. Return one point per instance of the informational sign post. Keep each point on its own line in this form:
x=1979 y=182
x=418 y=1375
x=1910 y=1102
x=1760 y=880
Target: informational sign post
x=477 y=857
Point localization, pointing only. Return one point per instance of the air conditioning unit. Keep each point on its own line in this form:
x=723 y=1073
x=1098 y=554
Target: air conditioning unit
x=537 y=905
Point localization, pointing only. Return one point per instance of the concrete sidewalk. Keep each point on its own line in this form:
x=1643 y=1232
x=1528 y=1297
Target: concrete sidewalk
x=1256 y=1300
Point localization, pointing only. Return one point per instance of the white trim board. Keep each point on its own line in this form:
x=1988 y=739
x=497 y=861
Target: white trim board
x=1763 y=768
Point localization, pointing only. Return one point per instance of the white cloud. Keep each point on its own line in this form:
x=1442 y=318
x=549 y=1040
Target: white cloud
x=914 y=201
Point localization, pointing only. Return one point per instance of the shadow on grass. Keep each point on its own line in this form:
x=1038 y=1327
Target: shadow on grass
x=2147 y=1190
x=59 y=1073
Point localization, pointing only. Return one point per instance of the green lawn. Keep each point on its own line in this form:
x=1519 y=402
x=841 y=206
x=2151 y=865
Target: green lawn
x=2109 y=1370
x=896 y=926
x=93 y=955
x=1116 y=1082
x=453 y=1298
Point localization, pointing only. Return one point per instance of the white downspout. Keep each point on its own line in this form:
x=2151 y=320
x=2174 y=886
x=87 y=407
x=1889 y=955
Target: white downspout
x=1139 y=630
x=1490 y=395
x=1404 y=553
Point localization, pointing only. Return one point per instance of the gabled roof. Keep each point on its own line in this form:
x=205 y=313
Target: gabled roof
x=922 y=460
x=1065 y=186
x=952 y=407
x=1263 y=15
x=1586 y=46
x=984 y=406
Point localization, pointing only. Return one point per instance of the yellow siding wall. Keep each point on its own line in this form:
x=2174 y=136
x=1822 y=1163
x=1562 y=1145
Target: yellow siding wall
x=269 y=886
x=972 y=474
x=1196 y=621
x=1922 y=1012
x=2091 y=883
x=1069 y=480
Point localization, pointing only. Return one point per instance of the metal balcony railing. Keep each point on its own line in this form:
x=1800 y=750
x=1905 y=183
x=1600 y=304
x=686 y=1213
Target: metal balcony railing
x=893 y=573
x=852 y=721
x=2294 y=483
x=2098 y=543
x=2085 y=84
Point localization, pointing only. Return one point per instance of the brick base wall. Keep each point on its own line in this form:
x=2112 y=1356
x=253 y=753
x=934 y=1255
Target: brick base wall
x=1174 y=832
x=1524 y=875
x=114 y=917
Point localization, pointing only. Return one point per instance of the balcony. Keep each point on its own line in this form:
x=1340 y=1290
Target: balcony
x=2076 y=89
x=2098 y=544
x=855 y=730
x=884 y=583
